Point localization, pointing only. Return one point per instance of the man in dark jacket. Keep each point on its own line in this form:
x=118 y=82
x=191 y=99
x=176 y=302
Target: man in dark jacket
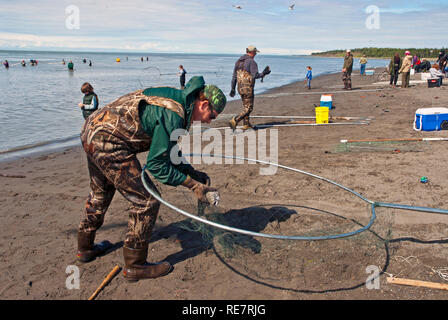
x=112 y=136
x=244 y=74
x=182 y=72
x=347 y=70
x=442 y=60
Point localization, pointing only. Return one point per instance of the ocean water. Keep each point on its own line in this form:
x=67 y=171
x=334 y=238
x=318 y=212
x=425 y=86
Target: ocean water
x=39 y=104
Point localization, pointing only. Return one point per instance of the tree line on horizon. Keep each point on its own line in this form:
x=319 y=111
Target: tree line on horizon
x=383 y=52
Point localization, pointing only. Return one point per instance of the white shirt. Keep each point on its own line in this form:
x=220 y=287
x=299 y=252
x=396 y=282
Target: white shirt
x=435 y=73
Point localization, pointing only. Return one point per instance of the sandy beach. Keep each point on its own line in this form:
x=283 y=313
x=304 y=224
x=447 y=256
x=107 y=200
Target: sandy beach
x=42 y=198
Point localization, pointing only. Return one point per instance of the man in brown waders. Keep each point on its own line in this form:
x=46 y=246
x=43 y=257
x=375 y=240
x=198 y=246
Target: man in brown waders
x=244 y=74
x=347 y=70
x=112 y=136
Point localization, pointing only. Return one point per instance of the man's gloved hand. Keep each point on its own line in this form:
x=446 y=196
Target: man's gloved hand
x=266 y=71
x=232 y=93
x=204 y=193
x=200 y=176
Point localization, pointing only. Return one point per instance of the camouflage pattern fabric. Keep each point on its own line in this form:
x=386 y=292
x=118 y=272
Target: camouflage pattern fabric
x=245 y=83
x=347 y=78
x=216 y=97
x=111 y=138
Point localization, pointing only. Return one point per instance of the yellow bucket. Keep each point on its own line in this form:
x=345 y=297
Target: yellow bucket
x=322 y=114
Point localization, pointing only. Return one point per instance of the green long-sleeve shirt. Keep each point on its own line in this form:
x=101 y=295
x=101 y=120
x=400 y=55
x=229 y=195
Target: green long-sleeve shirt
x=159 y=123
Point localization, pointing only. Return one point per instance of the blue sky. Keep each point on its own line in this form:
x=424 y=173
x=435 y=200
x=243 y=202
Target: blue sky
x=216 y=26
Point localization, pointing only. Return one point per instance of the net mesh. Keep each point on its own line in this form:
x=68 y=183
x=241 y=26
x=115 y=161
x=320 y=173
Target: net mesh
x=285 y=264
x=303 y=206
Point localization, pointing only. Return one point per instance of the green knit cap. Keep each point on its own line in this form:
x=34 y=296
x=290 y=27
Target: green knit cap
x=215 y=97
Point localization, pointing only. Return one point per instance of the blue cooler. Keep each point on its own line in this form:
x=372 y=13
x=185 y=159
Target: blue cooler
x=326 y=100
x=370 y=72
x=431 y=119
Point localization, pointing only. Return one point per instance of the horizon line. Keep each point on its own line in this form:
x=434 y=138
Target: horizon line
x=144 y=53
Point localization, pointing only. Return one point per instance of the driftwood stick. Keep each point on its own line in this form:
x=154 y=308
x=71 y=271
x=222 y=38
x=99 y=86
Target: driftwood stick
x=109 y=277
x=11 y=175
x=418 y=283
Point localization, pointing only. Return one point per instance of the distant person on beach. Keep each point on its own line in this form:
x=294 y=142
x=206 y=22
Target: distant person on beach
x=347 y=70
x=63 y=62
x=23 y=63
x=245 y=73
x=309 y=77
x=405 y=70
x=90 y=101
x=363 y=63
x=142 y=121
x=414 y=60
x=181 y=73
x=70 y=65
x=90 y=63
x=141 y=59
x=442 y=60
x=417 y=64
x=84 y=60
x=6 y=64
x=394 y=67
x=424 y=66
x=435 y=71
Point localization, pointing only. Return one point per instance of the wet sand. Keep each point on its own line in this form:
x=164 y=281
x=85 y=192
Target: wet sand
x=41 y=211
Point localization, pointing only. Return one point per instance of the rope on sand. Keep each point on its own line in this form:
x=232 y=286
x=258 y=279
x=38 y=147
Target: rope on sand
x=280 y=237
x=265 y=126
x=229 y=116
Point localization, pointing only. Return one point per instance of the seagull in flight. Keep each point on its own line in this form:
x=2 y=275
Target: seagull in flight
x=291 y=7
x=237 y=6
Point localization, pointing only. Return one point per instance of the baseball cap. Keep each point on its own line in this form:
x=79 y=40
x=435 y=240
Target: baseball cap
x=407 y=52
x=348 y=50
x=252 y=49
x=215 y=97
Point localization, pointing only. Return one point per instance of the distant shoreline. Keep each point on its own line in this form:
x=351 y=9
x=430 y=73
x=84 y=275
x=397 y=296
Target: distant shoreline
x=368 y=58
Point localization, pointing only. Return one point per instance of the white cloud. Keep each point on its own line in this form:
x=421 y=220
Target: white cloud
x=204 y=26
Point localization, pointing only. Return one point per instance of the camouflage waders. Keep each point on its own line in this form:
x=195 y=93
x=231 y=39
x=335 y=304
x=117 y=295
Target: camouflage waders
x=111 y=138
x=245 y=83
x=347 y=78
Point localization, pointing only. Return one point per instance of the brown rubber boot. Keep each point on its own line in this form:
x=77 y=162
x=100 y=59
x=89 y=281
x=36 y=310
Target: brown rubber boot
x=248 y=126
x=232 y=124
x=136 y=267
x=87 y=250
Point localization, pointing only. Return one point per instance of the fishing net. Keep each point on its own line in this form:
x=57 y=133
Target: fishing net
x=149 y=77
x=153 y=76
x=383 y=146
x=287 y=204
